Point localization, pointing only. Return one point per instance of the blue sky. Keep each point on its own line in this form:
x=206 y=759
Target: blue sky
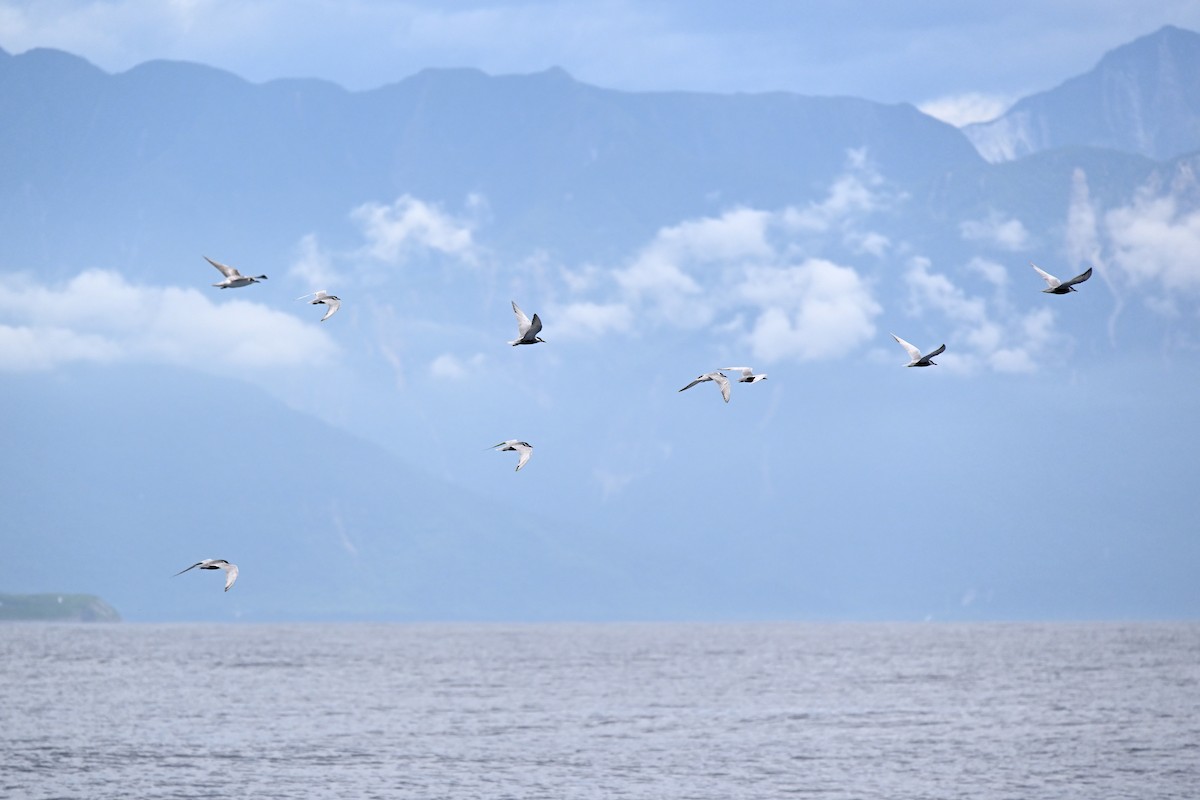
x=962 y=60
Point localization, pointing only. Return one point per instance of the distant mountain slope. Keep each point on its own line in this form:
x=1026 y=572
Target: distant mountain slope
x=1141 y=98
x=321 y=524
x=56 y=608
x=171 y=156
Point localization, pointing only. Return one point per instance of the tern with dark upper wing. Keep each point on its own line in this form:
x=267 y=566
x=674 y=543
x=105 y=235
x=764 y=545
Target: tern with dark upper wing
x=330 y=301
x=717 y=378
x=748 y=375
x=1055 y=286
x=516 y=445
x=914 y=353
x=231 y=570
x=527 y=329
x=233 y=278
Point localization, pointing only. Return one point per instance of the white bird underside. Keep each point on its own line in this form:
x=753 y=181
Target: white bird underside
x=715 y=377
x=231 y=570
x=914 y=353
x=524 y=448
x=527 y=329
x=233 y=278
x=331 y=301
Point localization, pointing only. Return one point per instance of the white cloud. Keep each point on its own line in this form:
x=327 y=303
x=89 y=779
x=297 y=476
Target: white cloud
x=99 y=317
x=450 y=367
x=963 y=109
x=313 y=266
x=660 y=268
x=858 y=191
x=660 y=276
x=812 y=311
x=589 y=320
x=1005 y=233
x=395 y=231
x=743 y=275
x=993 y=273
x=1154 y=241
x=1082 y=239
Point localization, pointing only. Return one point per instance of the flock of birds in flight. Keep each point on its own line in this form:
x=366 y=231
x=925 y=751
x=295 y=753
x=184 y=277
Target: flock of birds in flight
x=527 y=333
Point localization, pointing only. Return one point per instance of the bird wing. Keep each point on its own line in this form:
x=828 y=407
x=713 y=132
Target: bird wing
x=701 y=379
x=333 y=303
x=1051 y=281
x=1079 y=278
x=526 y=450
x=228 y=272
x=746 y=371
x=937 y=352
x=523 y=322
x=535 y=328
x=723 y=382
x=193 y=566
x=911 y=349
x=231 y=573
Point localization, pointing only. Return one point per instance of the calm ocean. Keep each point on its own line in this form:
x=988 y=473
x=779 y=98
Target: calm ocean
x=980 y=711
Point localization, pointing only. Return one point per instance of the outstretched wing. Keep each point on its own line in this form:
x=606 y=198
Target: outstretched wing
x=746 y=371
x=937 y=352
x=526 y=450
x=1051 y=281
x=535 y=328
x=913 y=352
x=723 y=382
x=228 y=272
x=193 y=566
x=523 y=323
x=333 y=303
x=1079 y=278
x=231 y=573
x=701 y=379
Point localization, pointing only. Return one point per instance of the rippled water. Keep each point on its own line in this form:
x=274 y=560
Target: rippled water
x=600 y=711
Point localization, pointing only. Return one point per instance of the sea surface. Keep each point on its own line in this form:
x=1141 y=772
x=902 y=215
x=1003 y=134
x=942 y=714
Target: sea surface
x=721 y=711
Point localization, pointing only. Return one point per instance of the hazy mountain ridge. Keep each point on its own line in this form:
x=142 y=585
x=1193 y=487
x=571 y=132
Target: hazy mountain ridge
x=137 y=157
x=1140 y=98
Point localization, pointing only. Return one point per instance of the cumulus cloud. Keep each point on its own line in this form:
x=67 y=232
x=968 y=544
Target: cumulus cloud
x=1156 y=242
x=856 y=192
x=743 y=273
x=451 y=367
x=394 y=231
x=587 y=319
x=660 y=274
x=99 y=317
x=313 y=266
x=1082 y=234
x=814 y=310
x=996 y=230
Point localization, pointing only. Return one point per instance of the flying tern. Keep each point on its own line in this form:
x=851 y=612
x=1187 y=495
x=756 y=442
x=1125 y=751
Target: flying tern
x=1055 y=286
x=717 y=377
x=231 y=570
x=233 y=278
x=918 y=360
x=524 y=448
x=527 y=330
x=748 y=375
x=332 y=302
